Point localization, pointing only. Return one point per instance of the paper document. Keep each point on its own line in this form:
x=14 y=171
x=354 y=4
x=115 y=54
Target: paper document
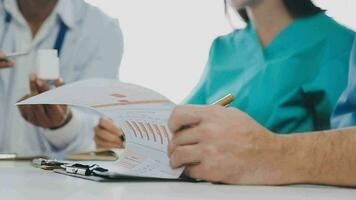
x=140 y=112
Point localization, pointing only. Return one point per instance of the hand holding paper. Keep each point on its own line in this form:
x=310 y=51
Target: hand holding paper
x=5 y=62
x=108 y=135
x=142 y=115
x=45 y=116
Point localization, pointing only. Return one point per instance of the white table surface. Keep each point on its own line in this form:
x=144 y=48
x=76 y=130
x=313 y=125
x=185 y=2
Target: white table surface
x=19 y=180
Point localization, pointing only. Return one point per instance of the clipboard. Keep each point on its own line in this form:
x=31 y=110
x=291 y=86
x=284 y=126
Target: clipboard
x=97 y=155
x=120 y=178
x=94 y=172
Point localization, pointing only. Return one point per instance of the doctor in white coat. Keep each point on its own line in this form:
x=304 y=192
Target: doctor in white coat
x=89 y=43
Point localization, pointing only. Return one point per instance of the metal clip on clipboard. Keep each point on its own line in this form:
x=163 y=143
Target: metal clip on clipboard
x=84 y=170
x=47 y=164
x=72 y=168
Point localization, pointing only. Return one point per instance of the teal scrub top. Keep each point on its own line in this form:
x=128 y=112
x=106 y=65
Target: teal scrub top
x=292 y=85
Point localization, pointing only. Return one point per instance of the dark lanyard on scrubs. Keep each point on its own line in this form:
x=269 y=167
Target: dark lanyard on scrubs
x=63 y=29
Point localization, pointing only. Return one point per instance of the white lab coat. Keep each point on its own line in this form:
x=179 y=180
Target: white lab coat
x=93 y=47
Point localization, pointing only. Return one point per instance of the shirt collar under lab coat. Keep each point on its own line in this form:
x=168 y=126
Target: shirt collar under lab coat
x=70 y=12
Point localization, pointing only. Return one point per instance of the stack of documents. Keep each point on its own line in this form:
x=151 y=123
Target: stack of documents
x=141 y=113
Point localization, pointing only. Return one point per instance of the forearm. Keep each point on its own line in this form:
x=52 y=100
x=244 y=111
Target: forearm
x=322 y=157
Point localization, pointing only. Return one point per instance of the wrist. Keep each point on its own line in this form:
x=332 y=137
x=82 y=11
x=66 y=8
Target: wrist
x=297 y=166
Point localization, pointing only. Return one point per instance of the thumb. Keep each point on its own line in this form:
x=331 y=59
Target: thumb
x=59 y=82
x=183 y=116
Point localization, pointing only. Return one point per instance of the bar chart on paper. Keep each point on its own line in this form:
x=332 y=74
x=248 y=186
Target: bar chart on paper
x=144 y=124
x=152 y=132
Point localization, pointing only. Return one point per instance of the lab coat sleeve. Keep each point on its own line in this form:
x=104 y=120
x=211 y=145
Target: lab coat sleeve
x=345 y=112
x=199 y=94
x=75 y=136
x=103 y=62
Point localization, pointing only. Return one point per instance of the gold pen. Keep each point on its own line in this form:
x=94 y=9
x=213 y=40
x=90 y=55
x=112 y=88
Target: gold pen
x=225 y=101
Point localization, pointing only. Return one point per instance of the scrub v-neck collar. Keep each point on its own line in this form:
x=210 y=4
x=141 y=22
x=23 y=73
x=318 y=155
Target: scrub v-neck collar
x=289 y=40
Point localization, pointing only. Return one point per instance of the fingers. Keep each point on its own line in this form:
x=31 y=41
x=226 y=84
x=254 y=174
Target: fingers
x=196 y=171
x=105 y=145
x=58 y=82
x=53 y=110
x=56 y=112
x=107 y=136
x=110 y=127
x=185 y=155
x=101 y=144
x=30 y=116
x=45 y=116
x=41 y=85
x=107 y=139
x=25 y=109
x=183 y=116
x=33 y=85
x=34 y=115
x=26 y=112
x=4 y=62
x=188 y=136
x=2 y=55
x=40 y=116
x=108 y=132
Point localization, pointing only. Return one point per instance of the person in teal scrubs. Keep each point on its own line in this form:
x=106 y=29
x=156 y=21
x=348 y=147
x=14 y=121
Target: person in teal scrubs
x=286 y=68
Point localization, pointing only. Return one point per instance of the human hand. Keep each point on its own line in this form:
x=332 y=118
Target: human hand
x=45 y=116
x=225 y=146
x=4 y=62
x=108 y=135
